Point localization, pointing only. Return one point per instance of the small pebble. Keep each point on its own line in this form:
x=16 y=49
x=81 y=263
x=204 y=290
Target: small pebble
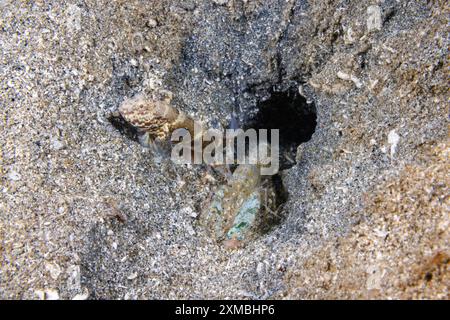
x=56 y=144
x=14 y=176
x=152 y=23
x=132 y=276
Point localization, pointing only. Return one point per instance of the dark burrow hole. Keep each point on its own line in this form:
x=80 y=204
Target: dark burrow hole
x=296 y=119
x=289 y=112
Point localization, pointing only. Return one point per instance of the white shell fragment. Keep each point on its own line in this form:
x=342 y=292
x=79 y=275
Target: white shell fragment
x=14 y=176
x=393 y=139
x=82 y=296
x=374 y=18
x=51 y=294
x=132 y=276
x=348 y=77
x=53 y=269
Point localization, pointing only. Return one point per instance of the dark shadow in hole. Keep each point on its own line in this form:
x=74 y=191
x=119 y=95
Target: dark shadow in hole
x=296 y=119
x=125 y=128
x=289 y=112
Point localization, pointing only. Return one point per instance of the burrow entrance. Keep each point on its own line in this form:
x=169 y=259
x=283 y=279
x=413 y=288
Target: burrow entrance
x=289 y=112
x=296 y=120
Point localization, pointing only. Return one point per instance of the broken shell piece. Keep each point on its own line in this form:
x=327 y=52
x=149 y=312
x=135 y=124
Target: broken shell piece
x=132 y=276
x=348 y=77
x=53 y=269
x=51 y=294
x=393 y=139
x=82 y=296
x=374 y=21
